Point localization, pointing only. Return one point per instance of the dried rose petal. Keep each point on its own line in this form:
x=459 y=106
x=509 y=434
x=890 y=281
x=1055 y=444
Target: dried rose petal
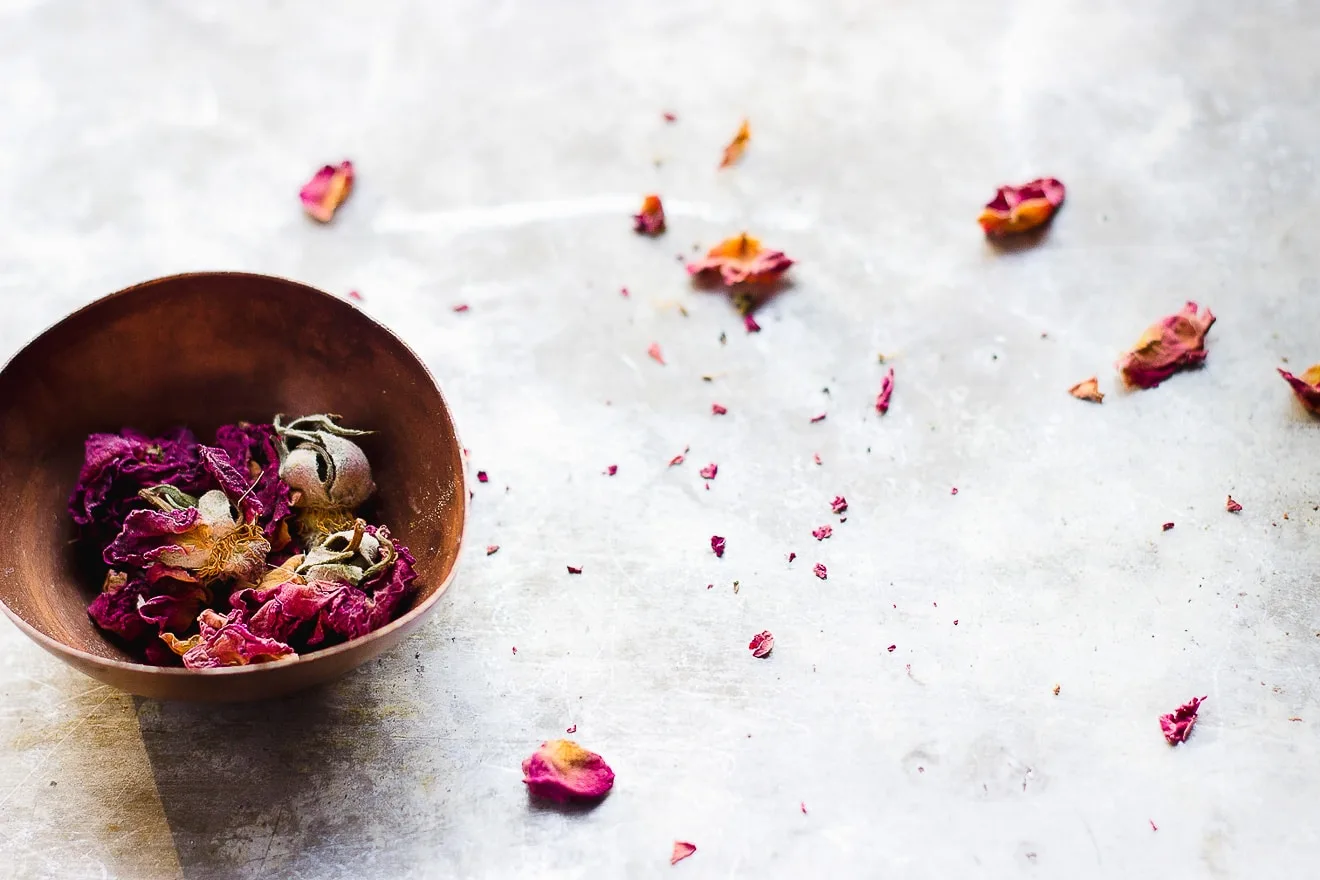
x=482 y=478
x=750 y=323
x=682 y=849
x=561 y=770
x=892 y=648
x=462 y=307
x=718 y=410
x=611 y=470
x=1088 y=389
x=709 y=471
x=1177 y=725
x=953 y=491
x=819 y=418
x=1171 y=344
x=1232 y=506
x=717 y=544
x=575 y=569
x=733 y=152
x=572 y=729
x=815 y=456
x=678 y=459
x=355 y=296
x=762 y=644
x=654 y=351
x=1306 y=387
x=651 y=219
x=741 y=259
x=839 y=504
x=669 y=117
x=1020 y=208
x=822 y=533
x=492 y=549
x=1166 y=526
x=820 y=570
x=326 y=191
x=791 y=556
x=886 y=392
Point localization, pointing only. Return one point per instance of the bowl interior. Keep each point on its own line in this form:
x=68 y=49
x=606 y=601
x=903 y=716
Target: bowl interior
x=203 y=350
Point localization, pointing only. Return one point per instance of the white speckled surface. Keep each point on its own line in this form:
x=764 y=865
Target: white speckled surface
x=501 y=146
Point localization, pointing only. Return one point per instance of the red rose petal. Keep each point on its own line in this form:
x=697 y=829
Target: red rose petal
x=1174 y=343
x=354 y=295
x=791 y=556
x=815 y=456
x=953 y=491
x=611 y=470
x=717 y=544
x=561 y=770
x=819 y=418
x=482 y=478
x=1166 y=527
x=1177 y=725
x=709 y=471
x=463 y=307
x=492 y=549
x=669 y=117
x=572 y=729
x=892 y=648
x=762 y=644
x=717 y=409
x=575 y=569
x=1232 y=506
x=750 y=323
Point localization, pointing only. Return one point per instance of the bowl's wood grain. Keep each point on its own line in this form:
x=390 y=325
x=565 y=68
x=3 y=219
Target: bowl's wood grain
x=202 y=350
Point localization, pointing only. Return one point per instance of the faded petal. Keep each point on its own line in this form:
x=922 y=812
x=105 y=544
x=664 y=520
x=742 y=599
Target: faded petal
x=227 y=641
x=733 y=152
x=1088 y=389
x=1173 y=343
x=561 y=770
x=1021 y=208
x=742 y=259
x=327 y=190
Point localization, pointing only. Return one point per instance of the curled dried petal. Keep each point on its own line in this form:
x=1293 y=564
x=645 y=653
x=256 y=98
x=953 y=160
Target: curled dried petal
x=1232 y=506
x=1306 y=387
x=762 y=644
x=227 y=641
x=1177 y=725
x=733 y=152
x=886 y=392
x=327 y=190
x=1173 y=343
x=709 y=471
x=740 y=260
x=1088 y=389
x=717 y=545
x=651 y=219
x=682 y=849
x=561 y=770
x=1021 y=208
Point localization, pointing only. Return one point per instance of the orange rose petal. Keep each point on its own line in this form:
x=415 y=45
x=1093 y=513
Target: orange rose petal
x=733 y=152
x=1306 y=387
x=742 y=260
x=651 y=219
x=1088 y=390
x=1017 y=209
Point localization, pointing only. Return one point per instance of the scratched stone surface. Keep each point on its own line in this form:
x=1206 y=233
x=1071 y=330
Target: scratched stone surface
x=501 y=146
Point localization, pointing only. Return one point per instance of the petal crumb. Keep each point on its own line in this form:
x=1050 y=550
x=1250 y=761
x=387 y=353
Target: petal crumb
x=820 y=570
x=462 y=307
x=572 y=729
x=1177 y=725
x=762 y=644
x=575 y=569
x=822 y=533
x=651 y=219
x=839 y=504
x=819 y=418
x=1017 y=209
x=718 y=410
x=680 y=458
x=1088 y=389
x=815 y=456
x=482 y=477
x=492 y=549
x=327 y=190
x=791 y=556
x=1174 y=343
x=682 y=849
x=355 y=296
x=669 y=117
x=561 y=770
x=892 y=648
x=1306 y=387
x=611 y=470
x=1057 y=688
x=1232 y=506
x=886 y=392
x=803 y=805
x=717 y=545
x=953 y=491
x=654 y=351
x=733 y=152
x=709 y=471
x=750 y=323
x=742 y=260
x=1153 y=826
x=1166 y=527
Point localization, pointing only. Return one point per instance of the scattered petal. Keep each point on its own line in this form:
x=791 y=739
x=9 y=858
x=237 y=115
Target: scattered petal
x=822 y=533
x=482 y=478
x=750 y=323
x=741 y=259
x=820 y=570
x=1166 y=526
x=839 y=504
x=1020 y=208
x=623 y=291
x=611 y=470
x=575 y=569
x=815 y=456
x=953 y=491
x=682 y=849
x=669 y=117
x=1088 y=389
x=561 y=770
x=572 y=729
x=1057 y=688
x=355 y=296
x=733 y=152
x=762 y=644
x=892 y=648
x=1174 y=343
x=492 y=549
x=709 y=471
x=1306 y=387
x=718 y=410
x=819 y=418
x=886 y=392
x=791 y=556
x=327 y=190
x=462 y=307
x=1232 y=506
x=717 y=544
x=1153 y=826
x=651 y=219
x=1177 y=725
x=654 y=351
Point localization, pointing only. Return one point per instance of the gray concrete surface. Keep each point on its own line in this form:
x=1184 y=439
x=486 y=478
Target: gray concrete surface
x=501 y=146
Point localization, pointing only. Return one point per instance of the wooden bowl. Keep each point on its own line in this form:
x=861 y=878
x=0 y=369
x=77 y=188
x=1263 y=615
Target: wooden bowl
x=203 y=350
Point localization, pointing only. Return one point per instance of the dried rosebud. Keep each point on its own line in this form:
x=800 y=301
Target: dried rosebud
x=886 y=392
x=1174 y=343
x=1088 y=389
x=820 y=570
x=651 y=219
x=1021 y=208
x=226 y=641
x=839 y=504
x=561 y=770
x=1177 y=725
x=1306 y=387
x=709 y=471
x=717 y=545
x=733 y=152
x=1232 y=506
x=328 y=472
x=682 y=849
x=822 y=533
x=762 y=644
x=327 y=190
x=740 y=260
x=349 y=556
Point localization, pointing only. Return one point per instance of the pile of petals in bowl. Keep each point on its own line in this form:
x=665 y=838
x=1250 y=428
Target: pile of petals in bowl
x=248 y=551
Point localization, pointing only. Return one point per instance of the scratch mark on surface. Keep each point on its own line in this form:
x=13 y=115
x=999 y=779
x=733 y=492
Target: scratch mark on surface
x=46 y=758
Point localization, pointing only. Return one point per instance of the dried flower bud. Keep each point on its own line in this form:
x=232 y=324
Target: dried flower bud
x=323 y=467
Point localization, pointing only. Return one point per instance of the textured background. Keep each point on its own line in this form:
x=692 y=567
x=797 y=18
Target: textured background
x=500 y=147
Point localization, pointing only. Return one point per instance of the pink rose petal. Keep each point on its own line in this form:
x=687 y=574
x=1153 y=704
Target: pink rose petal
x=762 y=644
x=820 y=570
x=819 y=418
x=1177 y=725
x=839 y=504
x=709 y=471
x=682 y=849
x=327 y=190
x=886 y=392
x=574 y=569
x=492 y=549
x=1171 y=344
x=611 y=470
x=561 y=770
x=822 y=533
x=654 y=351
x=750 y=323
x=717 y=409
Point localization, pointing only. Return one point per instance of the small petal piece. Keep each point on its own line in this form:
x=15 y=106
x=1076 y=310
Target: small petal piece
x=492 y=549
x=822 y=533
x=886 y=392
x=1177 y=725
x=1232 y=506
x=717 y=544
x=750 y=323
x=561 y=770
x=575 y=569
x=656 y=355
x=709 y=471
x=611 y=470
x=1171 y=344
x=1166 y=527
x=819 y=418
x=1306 y=387
x=651 y=219
x=820 y=570
x=733 y=152
x=682 y=849
x=326 y=191
x=718 y=410
x=1088 y=389
x=1021 y=208
x=762 y=644
x=839 y=504
x=740 y=260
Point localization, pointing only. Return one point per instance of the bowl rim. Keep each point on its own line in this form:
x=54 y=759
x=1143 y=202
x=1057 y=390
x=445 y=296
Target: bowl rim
x=55 y=646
